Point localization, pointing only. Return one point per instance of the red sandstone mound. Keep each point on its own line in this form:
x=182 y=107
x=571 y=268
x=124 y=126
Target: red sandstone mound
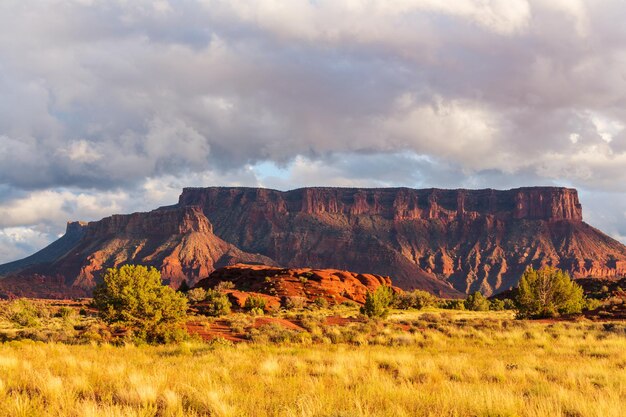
x=279 y=284
x=449 y=242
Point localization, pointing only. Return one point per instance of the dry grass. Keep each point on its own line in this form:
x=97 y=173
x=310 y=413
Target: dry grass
x=422 y=364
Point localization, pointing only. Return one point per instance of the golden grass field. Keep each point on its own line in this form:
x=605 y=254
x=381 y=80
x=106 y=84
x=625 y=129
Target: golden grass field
x=431 y=364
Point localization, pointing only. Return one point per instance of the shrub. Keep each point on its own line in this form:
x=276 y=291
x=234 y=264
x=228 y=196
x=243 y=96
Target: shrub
x=216 y=304
x=224 y=285
x=294 y=303
x=134 y=296
x=477 y=302
x=256 y=311
x=414 y=299
x=350 y=303
x=197 y=295
x=320 y=302
x=453 y=304
x=25 y=313
x=548 y=292
x=509 y=304
x=377 y=303
x=254 y=302
x=65 y=312
x=497 y=305
x=592 y=304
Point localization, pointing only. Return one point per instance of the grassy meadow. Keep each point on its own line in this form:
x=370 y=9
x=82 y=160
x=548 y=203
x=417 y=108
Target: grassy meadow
x=415 y=363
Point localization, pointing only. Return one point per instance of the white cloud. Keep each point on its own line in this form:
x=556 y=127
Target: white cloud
x=112 y=106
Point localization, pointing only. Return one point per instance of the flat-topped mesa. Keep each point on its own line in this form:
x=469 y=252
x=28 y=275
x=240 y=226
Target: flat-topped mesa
x=164 y=222
x=532 y=203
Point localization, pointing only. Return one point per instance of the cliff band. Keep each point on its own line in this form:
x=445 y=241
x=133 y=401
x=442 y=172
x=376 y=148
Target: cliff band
x=449 y=242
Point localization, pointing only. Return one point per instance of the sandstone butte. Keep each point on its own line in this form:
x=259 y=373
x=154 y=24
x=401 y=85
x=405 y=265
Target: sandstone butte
x=448 y=242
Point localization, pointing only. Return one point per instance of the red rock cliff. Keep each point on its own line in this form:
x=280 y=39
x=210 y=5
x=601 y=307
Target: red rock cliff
x=449 y=242
x=158 y=222
x=533 y=203
x=446 y=241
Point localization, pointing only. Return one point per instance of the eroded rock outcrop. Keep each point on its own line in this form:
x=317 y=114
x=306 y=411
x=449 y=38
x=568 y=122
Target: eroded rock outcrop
x=308 y=284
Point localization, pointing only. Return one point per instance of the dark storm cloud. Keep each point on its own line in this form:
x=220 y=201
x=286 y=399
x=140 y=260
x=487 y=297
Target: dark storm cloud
x=134 y=99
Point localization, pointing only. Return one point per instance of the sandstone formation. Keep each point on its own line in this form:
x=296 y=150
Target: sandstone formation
x=308 y=284
x=445 y=241
x=178 y=241
x=449 y=242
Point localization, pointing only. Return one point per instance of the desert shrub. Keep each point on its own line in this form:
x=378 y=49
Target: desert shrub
x=377 y=303
x=548 y=292
x=277 y=334
x=294 y=303
x=24 y=313
x=134 y=296
x=497 y=305
x=350 y=303
x=414 y=299
x=255 y=302
x=509 y=304
x=592 y=304
x=477 y=302
x=197 y=295
x=224 y=285
x=65 y=313
x=452 y=304
x=320 y=302
x=215 y=304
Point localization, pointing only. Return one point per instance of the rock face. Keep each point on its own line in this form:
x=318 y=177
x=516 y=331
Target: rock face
x=178 y=241
x=449 y=242
x=332 y=285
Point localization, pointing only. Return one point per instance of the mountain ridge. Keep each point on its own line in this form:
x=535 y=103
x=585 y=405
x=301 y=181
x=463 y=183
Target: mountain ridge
x=449 y=242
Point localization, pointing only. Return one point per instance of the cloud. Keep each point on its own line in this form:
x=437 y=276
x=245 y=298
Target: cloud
x=106 y=103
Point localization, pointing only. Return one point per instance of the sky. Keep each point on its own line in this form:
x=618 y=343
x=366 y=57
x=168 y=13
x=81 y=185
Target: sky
x=113 y=106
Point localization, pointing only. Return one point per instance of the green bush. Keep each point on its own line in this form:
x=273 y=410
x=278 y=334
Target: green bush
x=134 y=297
x=255 y=302
x=548 y=292
x=477 y=302
x=224 y=285
x=497 y=305
x=65 y=312
x=25 y=313
x=592 y=304
x=320 y=302
x=377 y=303
x=197 y=295
x=452 y=304
x=509 y=304
x=216 y=304
x=414 y=299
